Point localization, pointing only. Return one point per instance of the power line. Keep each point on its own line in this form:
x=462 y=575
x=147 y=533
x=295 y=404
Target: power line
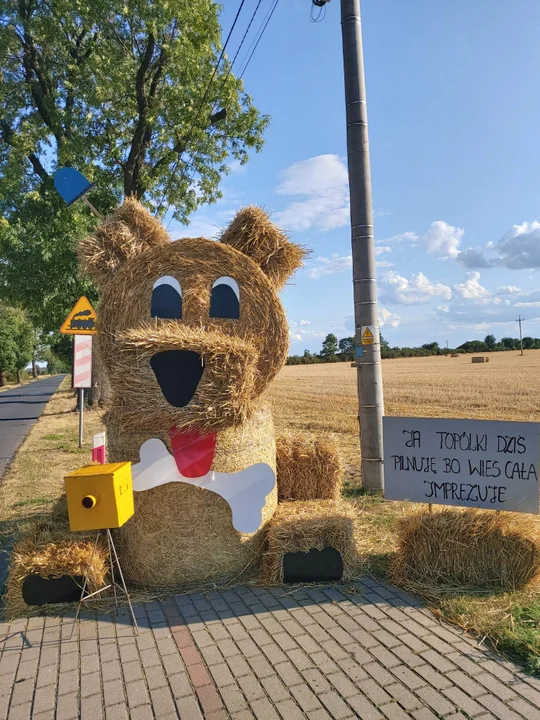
x=245 y=35
x=188 y=136
x=259 y=39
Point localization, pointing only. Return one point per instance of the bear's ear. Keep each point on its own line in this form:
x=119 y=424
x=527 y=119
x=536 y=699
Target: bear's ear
x=127 y=232
x=254 y=234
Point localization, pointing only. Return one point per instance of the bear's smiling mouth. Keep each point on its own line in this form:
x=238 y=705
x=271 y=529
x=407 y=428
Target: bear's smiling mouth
x=178 y=373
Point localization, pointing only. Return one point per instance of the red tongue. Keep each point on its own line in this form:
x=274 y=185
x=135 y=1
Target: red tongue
x=193 y=451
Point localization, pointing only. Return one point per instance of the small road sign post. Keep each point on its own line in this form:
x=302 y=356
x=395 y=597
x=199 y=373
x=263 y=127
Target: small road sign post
x=81 y=322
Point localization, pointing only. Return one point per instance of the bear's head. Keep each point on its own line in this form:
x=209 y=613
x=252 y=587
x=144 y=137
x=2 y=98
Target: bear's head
x=191 y=332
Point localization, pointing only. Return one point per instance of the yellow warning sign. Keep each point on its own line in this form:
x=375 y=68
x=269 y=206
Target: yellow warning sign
x=368 y=335
x=81 y=320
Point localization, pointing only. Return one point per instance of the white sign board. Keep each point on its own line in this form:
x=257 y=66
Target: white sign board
x=82 y=361
x=470 y=463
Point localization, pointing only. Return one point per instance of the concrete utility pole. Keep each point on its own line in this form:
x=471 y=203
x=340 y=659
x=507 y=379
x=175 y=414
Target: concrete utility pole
x=370 y=387
x=520 y=320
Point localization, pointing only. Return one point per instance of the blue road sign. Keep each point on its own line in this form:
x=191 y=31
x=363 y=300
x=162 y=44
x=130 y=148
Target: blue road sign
x=70 y=184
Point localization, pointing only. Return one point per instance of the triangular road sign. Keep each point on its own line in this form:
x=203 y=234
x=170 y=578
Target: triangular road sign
x=367 y=334
x=81 y=320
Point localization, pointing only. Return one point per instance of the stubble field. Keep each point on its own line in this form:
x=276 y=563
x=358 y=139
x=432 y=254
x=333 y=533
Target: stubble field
x=317 y=398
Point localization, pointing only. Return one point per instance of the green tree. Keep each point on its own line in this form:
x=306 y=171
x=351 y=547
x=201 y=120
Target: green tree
x=529 y=343
x=510 y=343
x=121 y=91
x=473 y=346
x=8 y=332
x=329 y=346
x=432 y=348
x=24 y=342
x=490 y=341
x=347 y=348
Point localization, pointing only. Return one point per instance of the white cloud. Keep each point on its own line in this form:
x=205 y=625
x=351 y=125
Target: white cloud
x=471 y=289
x=409 y=237
x=473 y=258
x=235 y=166
x=304 y=322
x=322 y=183
x=519 y=248
x=398 y=290
x=330 y=266
x=389 y=319
x=295 y=336
x=507 y=290
x=380 y=249
x=442 y=239
x=200 y=226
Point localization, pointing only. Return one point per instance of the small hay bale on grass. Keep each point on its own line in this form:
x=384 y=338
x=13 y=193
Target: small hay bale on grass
x=308 y=468
x=312 y=525
x=33 y=556
x=467 y=549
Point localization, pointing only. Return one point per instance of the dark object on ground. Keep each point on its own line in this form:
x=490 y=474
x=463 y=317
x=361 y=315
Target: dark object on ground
x=314 y=566
x=37 y=590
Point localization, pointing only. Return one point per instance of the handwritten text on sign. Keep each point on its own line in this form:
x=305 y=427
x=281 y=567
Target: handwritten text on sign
x=472 y=463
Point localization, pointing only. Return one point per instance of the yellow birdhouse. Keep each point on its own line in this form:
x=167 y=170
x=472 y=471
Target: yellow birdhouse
x=99 y=496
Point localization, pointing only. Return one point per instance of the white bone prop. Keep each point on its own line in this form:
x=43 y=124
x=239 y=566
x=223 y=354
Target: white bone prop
x=245 y=491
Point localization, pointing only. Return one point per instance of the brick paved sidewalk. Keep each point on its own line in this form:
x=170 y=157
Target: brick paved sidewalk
x=372 y=653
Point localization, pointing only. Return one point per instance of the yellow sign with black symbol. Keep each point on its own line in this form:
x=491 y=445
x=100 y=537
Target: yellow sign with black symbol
x=99 y=497
x=81 y=320
x=368 y=335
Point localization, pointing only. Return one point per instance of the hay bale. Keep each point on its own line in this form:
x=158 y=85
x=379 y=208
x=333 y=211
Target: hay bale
x=478 y=359
x=35 y=555
x=454 y=355
x=314 y=524
x=467 y=549
x=189 y=530
x=308 y=468
x=254 y=234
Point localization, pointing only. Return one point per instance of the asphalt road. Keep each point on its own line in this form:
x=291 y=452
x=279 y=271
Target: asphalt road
x=19 y=410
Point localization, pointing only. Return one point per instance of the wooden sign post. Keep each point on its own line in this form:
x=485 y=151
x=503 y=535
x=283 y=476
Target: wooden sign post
x=81 y=322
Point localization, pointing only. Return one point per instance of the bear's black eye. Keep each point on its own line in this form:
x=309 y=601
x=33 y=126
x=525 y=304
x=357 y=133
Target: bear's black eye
x=225 y=299
x=166 y=298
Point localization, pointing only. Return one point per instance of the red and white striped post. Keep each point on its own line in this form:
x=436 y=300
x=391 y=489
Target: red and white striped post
x=82 y=373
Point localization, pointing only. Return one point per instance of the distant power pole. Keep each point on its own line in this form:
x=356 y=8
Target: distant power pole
x=520 y=320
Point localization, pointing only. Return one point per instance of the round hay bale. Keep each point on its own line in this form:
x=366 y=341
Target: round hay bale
x=467 y=549
x=181 y=534
x=313 y=525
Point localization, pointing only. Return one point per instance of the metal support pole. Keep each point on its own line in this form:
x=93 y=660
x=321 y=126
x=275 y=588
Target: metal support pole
x=81 y=416
x=370 y=388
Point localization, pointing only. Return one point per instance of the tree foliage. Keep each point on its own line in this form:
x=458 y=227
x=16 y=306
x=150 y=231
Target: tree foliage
x=117 y=90
x=17 y=340
x=329 y=346
x=347 y=350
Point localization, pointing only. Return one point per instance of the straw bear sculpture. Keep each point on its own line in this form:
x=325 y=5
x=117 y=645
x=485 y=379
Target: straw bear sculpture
x=191 y=334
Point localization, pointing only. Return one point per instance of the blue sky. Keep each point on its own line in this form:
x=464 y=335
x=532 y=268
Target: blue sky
x=454 y=122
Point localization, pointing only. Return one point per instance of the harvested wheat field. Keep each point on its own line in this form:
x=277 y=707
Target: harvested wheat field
x=317 y=398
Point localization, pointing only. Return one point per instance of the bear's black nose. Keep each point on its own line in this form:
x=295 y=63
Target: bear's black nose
x=178 y=373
